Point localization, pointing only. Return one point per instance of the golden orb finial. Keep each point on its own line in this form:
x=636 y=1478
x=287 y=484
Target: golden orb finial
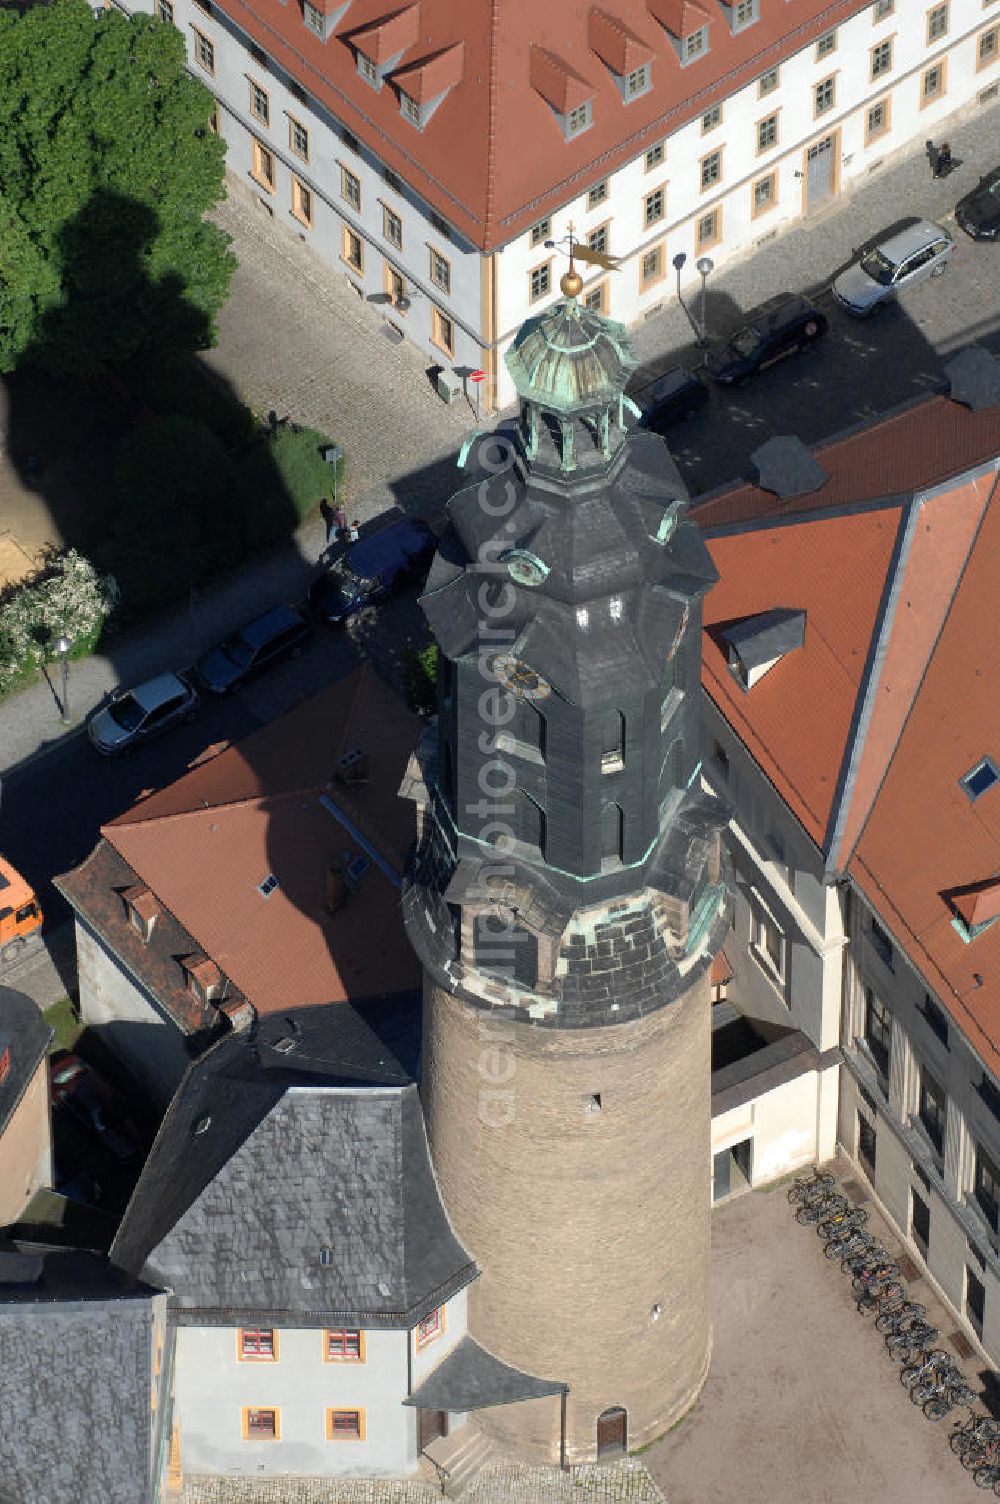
x=571 y=284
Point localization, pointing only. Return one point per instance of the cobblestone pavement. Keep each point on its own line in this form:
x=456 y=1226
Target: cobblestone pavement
x=626 y=1482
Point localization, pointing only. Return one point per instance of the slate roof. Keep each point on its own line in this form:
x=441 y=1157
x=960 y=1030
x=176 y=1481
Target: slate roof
x=336 y=1168
x=75 y=1374
x=269 y=805
x=470 y=1377
x=24 y=1031
x=492 y=158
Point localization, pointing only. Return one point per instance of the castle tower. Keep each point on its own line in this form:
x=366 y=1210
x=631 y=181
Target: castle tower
x=566 y=900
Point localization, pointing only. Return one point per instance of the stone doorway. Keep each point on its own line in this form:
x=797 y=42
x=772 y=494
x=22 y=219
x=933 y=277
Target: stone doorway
x=430 y=1425
x=612 y=1432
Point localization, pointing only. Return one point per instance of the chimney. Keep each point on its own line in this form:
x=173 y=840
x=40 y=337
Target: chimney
x=336 y=890
x=352 y=767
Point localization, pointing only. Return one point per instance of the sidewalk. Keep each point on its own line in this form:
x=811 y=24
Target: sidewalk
x=332 y=368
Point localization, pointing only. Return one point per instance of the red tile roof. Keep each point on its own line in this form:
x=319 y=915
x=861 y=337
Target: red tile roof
x=270 y=806
x=492 y=159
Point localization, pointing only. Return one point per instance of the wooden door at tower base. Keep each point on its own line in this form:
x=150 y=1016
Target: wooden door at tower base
x=612 y=1432
x=430 y=1425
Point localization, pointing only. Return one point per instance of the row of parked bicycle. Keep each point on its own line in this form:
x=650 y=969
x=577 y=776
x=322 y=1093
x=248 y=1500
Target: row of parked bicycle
x=930 y=1374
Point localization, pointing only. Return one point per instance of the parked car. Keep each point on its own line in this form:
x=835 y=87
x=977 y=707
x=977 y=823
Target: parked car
x=920 y=251
x=781 y=326
x=675 y=395
x=280 y=633
x=135 y=715
x=78 y=1088
x=376 y=567
x=978 y=212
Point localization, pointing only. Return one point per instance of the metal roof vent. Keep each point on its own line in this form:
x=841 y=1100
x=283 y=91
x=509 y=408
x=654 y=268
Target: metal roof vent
x=757 y=643
x=974 y=378
x=284 y=1046
x=785 y=466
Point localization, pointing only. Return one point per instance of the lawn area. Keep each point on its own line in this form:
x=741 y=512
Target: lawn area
x=63 y=1018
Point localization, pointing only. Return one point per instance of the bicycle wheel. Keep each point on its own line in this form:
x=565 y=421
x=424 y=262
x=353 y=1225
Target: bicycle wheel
x=986 y=1477
x=936 y=1409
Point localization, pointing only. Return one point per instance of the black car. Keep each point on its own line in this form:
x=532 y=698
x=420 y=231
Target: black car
x=978 y=212
x=390 y=560
x=280 y=633
x=779 y=327
x=674 y=395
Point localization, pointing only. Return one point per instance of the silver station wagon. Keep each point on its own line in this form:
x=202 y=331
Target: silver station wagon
x=921 y=250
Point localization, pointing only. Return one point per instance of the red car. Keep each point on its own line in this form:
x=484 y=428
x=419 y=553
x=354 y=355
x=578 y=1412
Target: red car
x=77 y=1086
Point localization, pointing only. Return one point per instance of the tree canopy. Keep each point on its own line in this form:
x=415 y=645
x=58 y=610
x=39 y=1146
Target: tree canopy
x=107 y=166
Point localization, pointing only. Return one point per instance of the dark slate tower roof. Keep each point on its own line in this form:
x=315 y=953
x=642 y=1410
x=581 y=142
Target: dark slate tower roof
x=568 y=584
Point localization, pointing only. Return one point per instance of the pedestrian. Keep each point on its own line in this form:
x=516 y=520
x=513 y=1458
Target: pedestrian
x=340 y=518
x=354 y=532
x=943 y=165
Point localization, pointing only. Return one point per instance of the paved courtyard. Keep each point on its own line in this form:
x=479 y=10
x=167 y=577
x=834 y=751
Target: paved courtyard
x=802 y=1404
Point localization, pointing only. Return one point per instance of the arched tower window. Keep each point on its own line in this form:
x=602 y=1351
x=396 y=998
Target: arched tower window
x=612 y=837
x=529 y=823
x=525 y=730
x=613 y=742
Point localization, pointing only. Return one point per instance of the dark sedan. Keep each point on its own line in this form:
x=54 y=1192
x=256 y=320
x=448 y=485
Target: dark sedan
x=280 y=633
x=390 y=560
x=676 y=394
x=978 y=213
x=781 y=326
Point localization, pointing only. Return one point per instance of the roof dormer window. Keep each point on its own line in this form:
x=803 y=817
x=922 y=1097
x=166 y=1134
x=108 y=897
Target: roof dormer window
x=142 y=911
x=204 y=979
x=694 y=45
x=578 y=120
x=638 y=82
x=369 y=71
x=975 y=908
x=757 y=643
x=409 y=109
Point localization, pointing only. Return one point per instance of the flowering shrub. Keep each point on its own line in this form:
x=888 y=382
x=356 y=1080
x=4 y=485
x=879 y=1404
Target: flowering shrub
x=65 y=595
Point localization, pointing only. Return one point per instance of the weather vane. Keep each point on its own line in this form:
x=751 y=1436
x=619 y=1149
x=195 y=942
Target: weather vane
x=571 y=283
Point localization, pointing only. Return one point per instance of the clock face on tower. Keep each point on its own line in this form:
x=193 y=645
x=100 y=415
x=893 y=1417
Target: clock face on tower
x=520 y=680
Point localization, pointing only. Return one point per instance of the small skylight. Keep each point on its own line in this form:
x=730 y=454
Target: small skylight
x=357 y=868
x=267 y=887
x=326 y=1256
x=978 y=780
x=284 y=1046
x=200 y=1126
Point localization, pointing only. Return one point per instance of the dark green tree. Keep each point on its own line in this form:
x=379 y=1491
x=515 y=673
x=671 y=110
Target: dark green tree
x=107 y=166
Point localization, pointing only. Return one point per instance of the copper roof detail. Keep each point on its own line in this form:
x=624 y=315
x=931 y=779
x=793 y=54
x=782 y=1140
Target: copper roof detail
x=570 y=358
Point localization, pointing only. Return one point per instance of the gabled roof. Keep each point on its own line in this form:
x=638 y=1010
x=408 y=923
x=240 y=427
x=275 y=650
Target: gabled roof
x=340 y=1169
x=615 y=43
x=24 y=1032
x=270 y=807
x=492 y=160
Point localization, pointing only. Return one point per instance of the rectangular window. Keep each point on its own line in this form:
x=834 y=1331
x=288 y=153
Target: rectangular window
x=986 y=1188
x=540 y=231
x=440 y=226
x=164 y=10
x=651 y=267
x=826 y=44
x=345 y=1425
x=409 y=108
x=654 y=206
x=352 y=251
x=711 y=119
x=745 y=13
x=765 y=194
x=257 y=1343
x=442 y=331
x=298 y=138
x=824 y=95
x=882 y=945
x=314 y=18
x=637 y=82
x=344 y=1346
x=920 y=1222
x=878 y=1030
x=263 y=166
x=694 y=45
x=597 y=240
x=975 y=1302
x=302 y=203
x=877 y=120
x=767 y=83
x=933 y=1108
x=204 y=52
x=767 y=133
x=261 y=1425
x=655 y=156
x=260 y=105
x=578 y=120
x=596 y=298
x=430 y=1327
x=935 y=1019
x=881 y=57
x=350 y=188
x=368 y=70
x=883 y=8
x=711 y=170
x=932 y=84
x=937 y=23
x=440 y=271
x=708 y=233
x=866 y=1144
x=989 y=44
x=540 y=282
x=392 y=227
x=721 y=759
x=767 y=942
x=597 y=194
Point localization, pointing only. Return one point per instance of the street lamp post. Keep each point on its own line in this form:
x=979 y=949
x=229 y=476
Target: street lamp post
x=705 y=266
x=62 y=646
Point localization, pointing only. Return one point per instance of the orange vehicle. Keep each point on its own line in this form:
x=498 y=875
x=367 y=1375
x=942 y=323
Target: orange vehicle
x=20 y=912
